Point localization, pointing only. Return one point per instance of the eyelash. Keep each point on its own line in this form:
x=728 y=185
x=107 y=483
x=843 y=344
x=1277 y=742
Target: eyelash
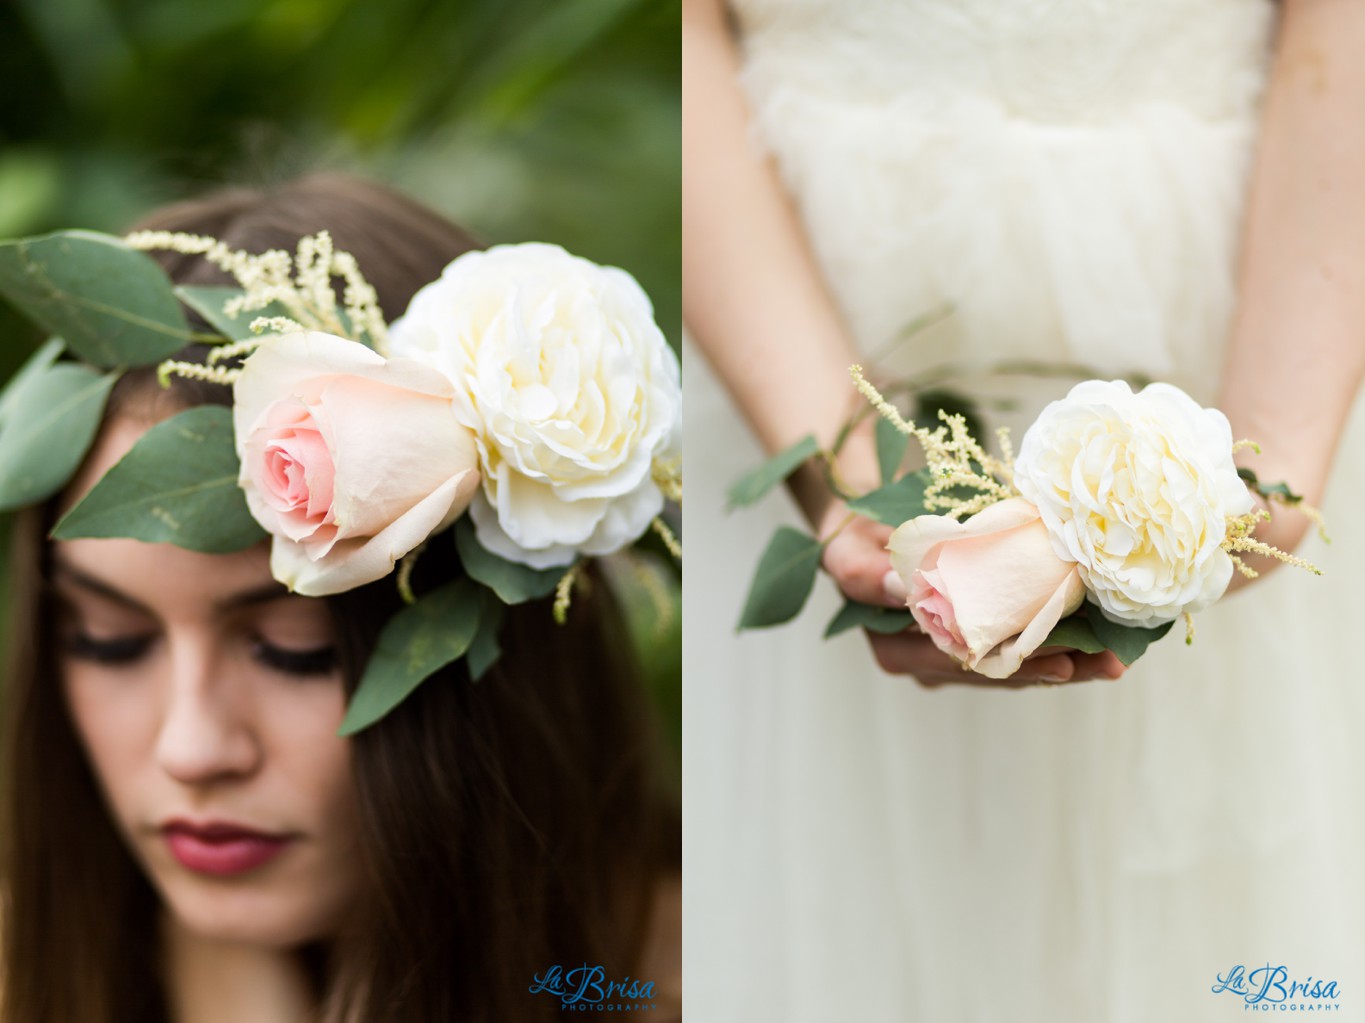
x=125 y=651
x=302 y=663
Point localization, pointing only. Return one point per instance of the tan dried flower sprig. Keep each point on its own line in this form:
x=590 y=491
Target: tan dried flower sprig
x=301 y=284
x=955 y=458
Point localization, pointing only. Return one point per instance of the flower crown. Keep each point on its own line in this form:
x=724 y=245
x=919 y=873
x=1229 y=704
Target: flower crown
x=526 y=406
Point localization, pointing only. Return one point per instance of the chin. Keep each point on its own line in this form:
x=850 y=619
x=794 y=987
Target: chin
x=267 y=915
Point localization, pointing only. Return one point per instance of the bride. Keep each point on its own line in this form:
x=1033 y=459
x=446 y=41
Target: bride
x=1167 y=188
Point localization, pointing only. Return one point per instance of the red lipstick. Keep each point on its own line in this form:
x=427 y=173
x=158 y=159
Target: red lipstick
x=220 y=848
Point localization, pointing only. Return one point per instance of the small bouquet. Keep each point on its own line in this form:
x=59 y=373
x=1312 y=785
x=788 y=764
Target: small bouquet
x=1122 y=512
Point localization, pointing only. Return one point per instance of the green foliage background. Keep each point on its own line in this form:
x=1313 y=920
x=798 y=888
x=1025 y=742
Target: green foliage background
x=554 y=120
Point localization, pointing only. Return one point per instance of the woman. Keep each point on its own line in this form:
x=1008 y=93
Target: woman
x=187 y=838
x=1072 y=179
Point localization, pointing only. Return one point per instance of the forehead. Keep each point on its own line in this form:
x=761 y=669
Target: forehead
x=156 y=575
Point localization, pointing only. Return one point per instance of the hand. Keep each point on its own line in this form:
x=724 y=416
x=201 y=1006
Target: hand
x=857 y=559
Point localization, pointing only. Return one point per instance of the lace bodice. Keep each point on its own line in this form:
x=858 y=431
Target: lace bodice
x=1061 y=61
x=1068 y=175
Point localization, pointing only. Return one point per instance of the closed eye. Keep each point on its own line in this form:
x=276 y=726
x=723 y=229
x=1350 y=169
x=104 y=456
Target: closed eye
x=117 y=651
x=317 y=661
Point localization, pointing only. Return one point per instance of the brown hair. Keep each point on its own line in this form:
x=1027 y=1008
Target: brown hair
x=507 y=825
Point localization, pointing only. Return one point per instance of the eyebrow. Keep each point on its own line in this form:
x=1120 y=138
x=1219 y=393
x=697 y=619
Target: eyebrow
x=65 y=572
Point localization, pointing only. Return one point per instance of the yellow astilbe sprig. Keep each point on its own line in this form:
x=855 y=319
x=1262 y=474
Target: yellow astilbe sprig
x=234 y=350
x=195 y=371
x=955 y=458
x=667 y=474
x=1238 y=540
x=301 y=283
x=669 y=538
x=564 y=592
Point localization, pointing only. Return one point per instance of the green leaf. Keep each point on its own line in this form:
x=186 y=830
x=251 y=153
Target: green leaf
x=33 y=366
x=1129 y=642
x=113 y=306
x=1075 y=632
x=177 y=485
x=208 y=302
x=891 y=445
x=854 y=615
x=417 y=642
x=513 y=583
x=50 y=422
x=485 y=650
x=1266 y=490
x=783 y=581
x=772 y=472
x=896 y=502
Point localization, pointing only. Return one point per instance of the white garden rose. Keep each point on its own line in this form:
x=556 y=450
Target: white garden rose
x=1136 y=488
x=569 y=387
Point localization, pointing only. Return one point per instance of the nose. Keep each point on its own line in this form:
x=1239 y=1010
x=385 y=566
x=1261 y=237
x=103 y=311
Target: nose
x=206 y=732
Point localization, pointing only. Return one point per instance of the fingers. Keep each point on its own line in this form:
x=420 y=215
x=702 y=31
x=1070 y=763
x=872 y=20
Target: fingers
x=857 y=560
x=913 y=654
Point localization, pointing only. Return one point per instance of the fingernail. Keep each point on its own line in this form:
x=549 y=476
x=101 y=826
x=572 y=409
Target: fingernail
x=895 y=587
x=1052 y=678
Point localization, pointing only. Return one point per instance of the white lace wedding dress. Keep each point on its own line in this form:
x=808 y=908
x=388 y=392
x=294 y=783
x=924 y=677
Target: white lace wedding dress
x=1070 y=175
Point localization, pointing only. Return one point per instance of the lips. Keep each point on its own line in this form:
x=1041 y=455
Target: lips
x=221 y=849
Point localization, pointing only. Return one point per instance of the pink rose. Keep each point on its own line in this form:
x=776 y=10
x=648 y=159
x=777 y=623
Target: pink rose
x=989 y=590
x=349 y=460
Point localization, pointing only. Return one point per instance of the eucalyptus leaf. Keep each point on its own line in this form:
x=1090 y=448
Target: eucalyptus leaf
x=417 y=642
x=112 y=305
x=783 y=580
x=177 y=485
x=485 y=649
x=208 y=301
x=897 y=502
x=33 y=366
x=1075 y=632
x=513 y=583
x=1267 y=490
x=891 y=445
x=884 y=620
x=1129 y=642
x=772 y=472
x=51 y=418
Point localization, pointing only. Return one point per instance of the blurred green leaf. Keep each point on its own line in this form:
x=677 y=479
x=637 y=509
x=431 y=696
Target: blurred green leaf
x=513 y=583
x=757 y=483
x=418 y=641
x=34 y=366
x=51 y=419
x=485 y=649
x=884 y=620
x=783 y=580
x=1129 y=642
x=1075 y=632
x=891 y=445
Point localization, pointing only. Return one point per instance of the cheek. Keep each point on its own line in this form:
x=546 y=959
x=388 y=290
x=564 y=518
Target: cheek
x=308 y=755
x=115 y=722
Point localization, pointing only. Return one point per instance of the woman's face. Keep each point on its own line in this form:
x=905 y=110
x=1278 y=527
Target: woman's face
x=208 y=699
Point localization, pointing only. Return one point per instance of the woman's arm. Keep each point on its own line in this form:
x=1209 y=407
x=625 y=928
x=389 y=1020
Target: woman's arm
x=758 y=308
x=753 y=297
x=1296 y=352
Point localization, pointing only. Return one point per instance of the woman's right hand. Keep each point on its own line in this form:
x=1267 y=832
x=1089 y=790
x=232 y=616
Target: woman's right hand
x=857 y=559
